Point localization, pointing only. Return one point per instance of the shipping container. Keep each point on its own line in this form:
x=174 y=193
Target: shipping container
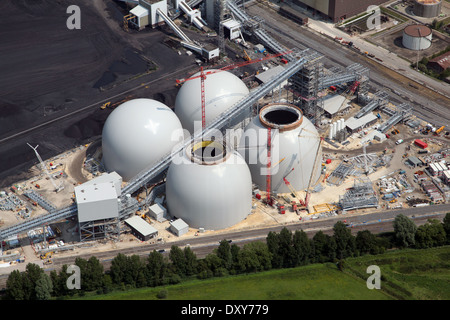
x=420 y=143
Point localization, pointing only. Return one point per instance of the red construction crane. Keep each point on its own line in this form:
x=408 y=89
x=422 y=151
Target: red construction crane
x=234 y=66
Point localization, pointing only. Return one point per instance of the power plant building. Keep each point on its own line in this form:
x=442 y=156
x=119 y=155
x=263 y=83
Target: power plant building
x=337 y=10
x=96 y=201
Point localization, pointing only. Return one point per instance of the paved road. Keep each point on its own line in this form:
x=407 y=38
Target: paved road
x=377 y=222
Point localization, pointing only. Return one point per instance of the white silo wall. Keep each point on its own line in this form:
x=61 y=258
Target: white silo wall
x=136 y=134
x=293 y=155
x=222 y=90
x=212 y=196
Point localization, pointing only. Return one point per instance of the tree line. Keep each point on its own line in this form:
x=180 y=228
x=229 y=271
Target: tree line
x=285 y=249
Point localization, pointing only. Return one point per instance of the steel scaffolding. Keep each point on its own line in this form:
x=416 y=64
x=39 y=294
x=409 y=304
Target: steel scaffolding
x=361 y=195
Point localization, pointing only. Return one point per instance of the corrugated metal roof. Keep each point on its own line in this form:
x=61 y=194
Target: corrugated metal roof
x=141 y=226
x=269 y=74
x=354 y=123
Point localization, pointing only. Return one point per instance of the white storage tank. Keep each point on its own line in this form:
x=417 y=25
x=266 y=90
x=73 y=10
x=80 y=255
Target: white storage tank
x=222 y=90
x=136 y=134
x=295 y=148
x=209 y=186
x=417 y=37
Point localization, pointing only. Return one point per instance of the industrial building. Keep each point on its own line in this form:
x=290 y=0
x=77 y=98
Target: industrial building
x=158 y=212
x=353 y=124
x=208 y=183
x=337 y=10
x=141 y=229
x=179 y=227
x=440 y=63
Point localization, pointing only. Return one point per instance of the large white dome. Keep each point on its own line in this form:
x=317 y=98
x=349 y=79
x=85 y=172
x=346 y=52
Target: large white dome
x=209 y=192
x=295 y=142
x=136 y=134
x=222 y=90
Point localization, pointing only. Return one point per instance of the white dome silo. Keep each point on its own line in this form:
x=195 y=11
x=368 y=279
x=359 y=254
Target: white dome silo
x=209 y=186
x=294 y=148
x=136 y=134
x=222 y=90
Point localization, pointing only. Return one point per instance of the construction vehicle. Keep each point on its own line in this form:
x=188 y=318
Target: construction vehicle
x=246 y=56
x=439 y=130
x=105 y=105
x=115 y=104
x=46 y=255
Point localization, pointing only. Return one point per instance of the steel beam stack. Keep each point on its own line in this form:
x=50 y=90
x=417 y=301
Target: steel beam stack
x=361 y=195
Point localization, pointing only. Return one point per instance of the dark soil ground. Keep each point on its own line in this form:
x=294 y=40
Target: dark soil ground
x=49 y=71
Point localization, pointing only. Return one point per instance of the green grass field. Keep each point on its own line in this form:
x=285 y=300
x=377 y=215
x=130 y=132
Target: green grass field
x=410 y=274
x=309 y=282
x=405 y=274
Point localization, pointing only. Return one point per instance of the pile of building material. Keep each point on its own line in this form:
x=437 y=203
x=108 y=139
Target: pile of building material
x=360 y=196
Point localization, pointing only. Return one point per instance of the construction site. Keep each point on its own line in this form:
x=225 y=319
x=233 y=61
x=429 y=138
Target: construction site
x=255 y=134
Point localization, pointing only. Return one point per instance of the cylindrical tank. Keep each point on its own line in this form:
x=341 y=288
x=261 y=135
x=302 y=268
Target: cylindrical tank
x=334 y=128
x=427 y=8
x=209 y=186
x=417 y=37
x=294 y=148
x=136 y=134
x=222 y=90
x=330 y=133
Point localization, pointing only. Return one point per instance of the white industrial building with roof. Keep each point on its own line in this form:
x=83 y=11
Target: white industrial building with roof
x=97 y=199
x=141 y=229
